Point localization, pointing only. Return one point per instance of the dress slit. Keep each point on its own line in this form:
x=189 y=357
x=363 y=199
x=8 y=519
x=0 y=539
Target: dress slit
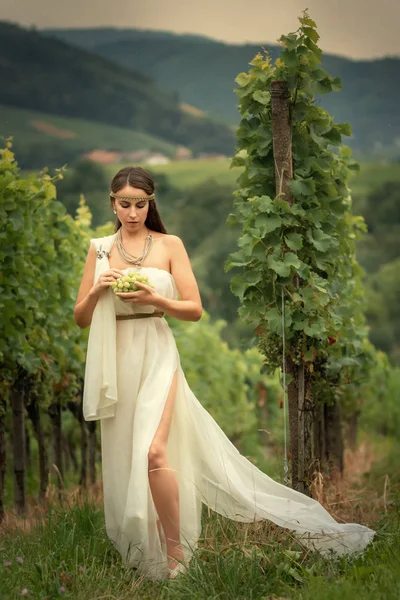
x=163 y=405
x=156 y=532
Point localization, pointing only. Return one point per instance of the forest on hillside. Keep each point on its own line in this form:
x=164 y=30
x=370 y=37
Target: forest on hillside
x=52 y=77
x=181 y=65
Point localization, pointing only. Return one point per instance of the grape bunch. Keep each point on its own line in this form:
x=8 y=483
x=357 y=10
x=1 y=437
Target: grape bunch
x=126 y=283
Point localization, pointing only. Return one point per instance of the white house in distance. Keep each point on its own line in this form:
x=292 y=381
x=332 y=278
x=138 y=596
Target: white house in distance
x=156 y=158
x=183 y=153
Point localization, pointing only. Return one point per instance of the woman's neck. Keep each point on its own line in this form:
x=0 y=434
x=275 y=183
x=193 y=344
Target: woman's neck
x=139 y=234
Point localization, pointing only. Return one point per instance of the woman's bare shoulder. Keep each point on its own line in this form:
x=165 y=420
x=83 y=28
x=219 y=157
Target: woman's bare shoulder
x=168 y=239
x=172 y=240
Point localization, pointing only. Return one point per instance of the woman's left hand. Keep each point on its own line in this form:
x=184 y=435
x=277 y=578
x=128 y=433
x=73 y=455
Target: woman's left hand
x=145 y=295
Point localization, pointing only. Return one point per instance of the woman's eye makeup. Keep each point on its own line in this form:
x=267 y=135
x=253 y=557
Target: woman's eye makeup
x=138 y=205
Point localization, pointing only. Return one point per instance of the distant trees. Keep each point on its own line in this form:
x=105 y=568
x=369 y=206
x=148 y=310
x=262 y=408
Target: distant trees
x=35 y=155
x=384 y=309
x=204 y=208
x=382 y=215
x=379 y=254
x=88 y=178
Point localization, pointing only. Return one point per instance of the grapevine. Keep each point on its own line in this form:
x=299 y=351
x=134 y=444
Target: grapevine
x=305 y=248
x=43 y=351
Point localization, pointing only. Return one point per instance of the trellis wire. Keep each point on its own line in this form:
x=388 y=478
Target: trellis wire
x=285 y=460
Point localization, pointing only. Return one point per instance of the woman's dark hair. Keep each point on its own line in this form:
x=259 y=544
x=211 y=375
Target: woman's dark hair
x=138 y=178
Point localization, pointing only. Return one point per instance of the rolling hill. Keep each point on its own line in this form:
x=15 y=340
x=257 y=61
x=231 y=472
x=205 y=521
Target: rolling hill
x=52 y=77
x=43 y=139
x=202 y=71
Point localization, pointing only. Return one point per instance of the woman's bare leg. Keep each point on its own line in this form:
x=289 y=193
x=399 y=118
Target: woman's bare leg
x=163 y=483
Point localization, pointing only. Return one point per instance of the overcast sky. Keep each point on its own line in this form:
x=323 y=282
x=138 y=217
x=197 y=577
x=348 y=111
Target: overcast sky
x=354 y=28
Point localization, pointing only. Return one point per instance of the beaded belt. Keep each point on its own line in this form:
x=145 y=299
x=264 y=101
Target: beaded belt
x=139 y=315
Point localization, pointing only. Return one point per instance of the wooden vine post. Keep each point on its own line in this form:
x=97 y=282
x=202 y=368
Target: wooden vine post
x=3 y=456
x=282 y=151
x=19 y=444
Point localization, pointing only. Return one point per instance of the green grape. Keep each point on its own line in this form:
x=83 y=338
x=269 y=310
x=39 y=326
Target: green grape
x=126 y=283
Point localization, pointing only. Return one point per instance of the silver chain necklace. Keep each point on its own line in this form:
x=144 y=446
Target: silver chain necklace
x=129 y=258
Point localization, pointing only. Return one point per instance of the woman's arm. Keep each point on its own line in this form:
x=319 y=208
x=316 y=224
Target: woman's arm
x=89 y=293
x=189 y=308
x=86 y=300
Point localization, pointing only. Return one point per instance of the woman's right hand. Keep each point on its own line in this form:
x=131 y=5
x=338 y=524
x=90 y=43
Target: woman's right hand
x=104 y=281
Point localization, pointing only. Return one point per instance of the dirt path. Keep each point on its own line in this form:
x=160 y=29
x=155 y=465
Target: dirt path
x=51 y=129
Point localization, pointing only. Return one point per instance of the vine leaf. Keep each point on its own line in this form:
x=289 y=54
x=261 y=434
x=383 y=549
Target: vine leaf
x=294 y=241
x=283 y=267
x=265 y=224
x=243 y=79
x=320 y=240
x=306 y=20
x=262 y=97
x=240 y=283
x=274 y=319
x=302 y=187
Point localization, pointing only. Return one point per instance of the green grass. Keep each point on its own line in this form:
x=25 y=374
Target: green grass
x=189 y=173
x=18 y=123
x=68 y=555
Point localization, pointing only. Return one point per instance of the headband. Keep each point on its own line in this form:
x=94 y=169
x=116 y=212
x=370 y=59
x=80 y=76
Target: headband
x=137 y=198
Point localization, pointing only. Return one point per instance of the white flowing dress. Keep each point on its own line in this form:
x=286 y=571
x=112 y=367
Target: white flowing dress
x=130 y=365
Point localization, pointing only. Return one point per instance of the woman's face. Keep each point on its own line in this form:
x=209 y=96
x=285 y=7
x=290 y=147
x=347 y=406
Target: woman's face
x=131 y=213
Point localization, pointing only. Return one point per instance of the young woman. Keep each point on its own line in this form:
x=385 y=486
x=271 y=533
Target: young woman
x=163 y=455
